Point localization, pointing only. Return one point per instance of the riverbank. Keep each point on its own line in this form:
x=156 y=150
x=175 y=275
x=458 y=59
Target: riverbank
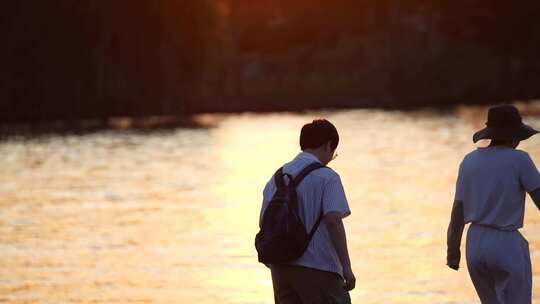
x=208 y=120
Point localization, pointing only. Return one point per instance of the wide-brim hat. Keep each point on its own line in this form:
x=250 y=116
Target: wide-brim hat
x=504 y=123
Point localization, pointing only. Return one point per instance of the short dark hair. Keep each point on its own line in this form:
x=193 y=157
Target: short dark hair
x=318 y=133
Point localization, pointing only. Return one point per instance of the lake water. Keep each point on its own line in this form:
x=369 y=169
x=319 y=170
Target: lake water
x=170 y=217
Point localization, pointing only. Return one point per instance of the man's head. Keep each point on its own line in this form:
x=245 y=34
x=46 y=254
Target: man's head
x=320 y=138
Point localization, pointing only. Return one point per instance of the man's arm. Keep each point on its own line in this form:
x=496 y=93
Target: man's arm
x=334 y=224
x=455 y=232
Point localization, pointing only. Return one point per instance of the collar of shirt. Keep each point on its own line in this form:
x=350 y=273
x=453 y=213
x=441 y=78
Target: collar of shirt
x=307 y=156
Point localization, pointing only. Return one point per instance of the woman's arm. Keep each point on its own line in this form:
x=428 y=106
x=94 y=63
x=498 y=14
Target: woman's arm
x=535 y=195
x=455 y=232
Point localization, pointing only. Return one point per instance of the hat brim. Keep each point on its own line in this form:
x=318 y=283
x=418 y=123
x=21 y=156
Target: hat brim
x=521 y=132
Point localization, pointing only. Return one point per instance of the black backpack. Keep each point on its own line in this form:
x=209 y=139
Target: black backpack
x=283 y=237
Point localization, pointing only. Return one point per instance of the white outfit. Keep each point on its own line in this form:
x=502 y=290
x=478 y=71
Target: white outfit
x=491 y=186
x=321 y=191
x=499 y=265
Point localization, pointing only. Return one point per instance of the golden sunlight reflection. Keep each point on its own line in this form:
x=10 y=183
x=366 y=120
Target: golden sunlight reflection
x=170 y=217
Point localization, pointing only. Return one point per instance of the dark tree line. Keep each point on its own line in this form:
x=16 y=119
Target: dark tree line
x=67 y=60
x=70 y=60
x=381 y=53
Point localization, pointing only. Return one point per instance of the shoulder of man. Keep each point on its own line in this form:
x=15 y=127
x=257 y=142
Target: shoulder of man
x=326 y=174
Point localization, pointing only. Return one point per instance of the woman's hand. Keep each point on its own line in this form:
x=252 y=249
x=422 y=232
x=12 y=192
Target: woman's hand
x=452 y=259
x=454 y=266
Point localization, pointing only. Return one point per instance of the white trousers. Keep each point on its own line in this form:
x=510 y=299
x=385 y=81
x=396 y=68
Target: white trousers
x=499 y=264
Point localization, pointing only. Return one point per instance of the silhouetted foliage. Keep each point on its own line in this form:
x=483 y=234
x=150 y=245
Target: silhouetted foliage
x=381 y=53
x=67 y=60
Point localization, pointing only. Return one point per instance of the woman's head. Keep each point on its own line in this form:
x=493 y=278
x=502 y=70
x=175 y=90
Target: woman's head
x=504 y=124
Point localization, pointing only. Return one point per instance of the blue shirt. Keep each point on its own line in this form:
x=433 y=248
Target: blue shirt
x=321 y=190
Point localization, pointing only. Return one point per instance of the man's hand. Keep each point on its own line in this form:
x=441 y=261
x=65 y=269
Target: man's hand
x=350 y=280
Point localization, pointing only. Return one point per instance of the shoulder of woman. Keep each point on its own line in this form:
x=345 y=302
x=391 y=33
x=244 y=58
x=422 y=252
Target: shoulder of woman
x=521 y=154
x=523 y=158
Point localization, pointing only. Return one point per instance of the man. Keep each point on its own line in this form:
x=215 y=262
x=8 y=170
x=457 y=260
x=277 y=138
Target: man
x=323 y=274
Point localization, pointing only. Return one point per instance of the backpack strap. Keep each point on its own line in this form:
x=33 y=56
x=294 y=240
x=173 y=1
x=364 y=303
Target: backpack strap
x=314 y=229
x=278 y=178
x=297 y=180
x=307 y=170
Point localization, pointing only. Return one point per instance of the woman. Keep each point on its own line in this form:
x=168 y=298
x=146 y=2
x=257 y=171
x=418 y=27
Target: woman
x=490 y=194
